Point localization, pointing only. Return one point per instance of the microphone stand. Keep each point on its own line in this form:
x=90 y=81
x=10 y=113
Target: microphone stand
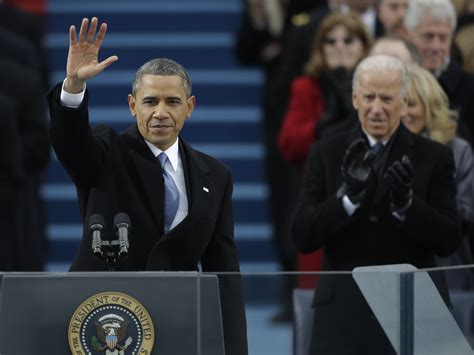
x=110 y=252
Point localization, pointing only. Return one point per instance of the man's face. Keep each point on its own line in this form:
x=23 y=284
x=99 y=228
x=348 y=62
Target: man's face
x=379 y=102
x=392 y=13
x=161 y=106
x=433 y=39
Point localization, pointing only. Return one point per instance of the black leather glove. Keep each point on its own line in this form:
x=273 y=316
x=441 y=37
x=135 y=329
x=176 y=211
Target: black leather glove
x=356 y=171
x=400 y=178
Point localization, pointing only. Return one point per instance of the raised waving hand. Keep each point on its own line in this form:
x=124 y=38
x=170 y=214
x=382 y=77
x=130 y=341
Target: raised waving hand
x=83 y=57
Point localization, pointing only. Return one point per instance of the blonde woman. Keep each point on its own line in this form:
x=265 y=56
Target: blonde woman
x=429 y=114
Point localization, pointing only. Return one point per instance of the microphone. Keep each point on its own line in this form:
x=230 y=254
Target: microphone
x=122 y=228
x=96 y=226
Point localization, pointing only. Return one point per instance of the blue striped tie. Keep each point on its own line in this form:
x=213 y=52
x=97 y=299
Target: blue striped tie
x=171 y=193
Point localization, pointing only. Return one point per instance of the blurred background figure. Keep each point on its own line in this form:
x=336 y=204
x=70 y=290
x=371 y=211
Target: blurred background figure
x=391 y=14
x=23 y=81
x=396 y=47
x=465 y=44
x=321 y=100
x=11 y=181
x=259 y=42
x=465 y=33
x=17 y=17
x=429 y=114
x=431 y=25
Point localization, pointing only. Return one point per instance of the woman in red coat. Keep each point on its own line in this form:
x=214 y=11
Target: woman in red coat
x=321 y=99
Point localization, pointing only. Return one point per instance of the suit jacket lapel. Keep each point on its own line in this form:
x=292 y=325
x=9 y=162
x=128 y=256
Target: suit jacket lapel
x=196 y=174
x=197 y=180
x=150 y=174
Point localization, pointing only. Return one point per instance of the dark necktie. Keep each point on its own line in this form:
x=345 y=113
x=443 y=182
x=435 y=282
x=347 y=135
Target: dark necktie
x=378 y=163
x=377 y=147
x=171 y=194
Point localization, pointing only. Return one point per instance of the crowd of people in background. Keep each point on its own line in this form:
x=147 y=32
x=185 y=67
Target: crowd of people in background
x=308 y=61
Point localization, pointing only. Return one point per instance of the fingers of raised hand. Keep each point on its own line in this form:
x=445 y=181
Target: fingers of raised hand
x=107 y=62
x=101 y=35
x=83 y=30
x=88 y=33
x=92 y=30
x=72 y=35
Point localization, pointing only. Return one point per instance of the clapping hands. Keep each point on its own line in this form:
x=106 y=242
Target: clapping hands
x=356 y=170
x=400 y=178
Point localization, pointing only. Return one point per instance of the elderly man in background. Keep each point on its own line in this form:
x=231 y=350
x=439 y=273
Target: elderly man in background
x=378 y=195
x=431 y=25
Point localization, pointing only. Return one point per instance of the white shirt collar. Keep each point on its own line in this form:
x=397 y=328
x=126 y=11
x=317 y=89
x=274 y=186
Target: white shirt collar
x=373 y=141
x=172 y=152
x=437 y=73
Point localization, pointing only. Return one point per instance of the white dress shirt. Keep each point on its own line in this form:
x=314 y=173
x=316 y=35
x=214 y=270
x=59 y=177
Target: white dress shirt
x=173 y=166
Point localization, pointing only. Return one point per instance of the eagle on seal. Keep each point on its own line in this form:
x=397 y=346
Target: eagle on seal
x=111 y=331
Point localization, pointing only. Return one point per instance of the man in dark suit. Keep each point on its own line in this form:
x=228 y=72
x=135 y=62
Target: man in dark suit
x=388 y=204
x=431 y=25
x=181 y=213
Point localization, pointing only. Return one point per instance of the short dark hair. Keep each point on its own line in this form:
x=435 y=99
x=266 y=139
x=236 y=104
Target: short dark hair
x=162 y=66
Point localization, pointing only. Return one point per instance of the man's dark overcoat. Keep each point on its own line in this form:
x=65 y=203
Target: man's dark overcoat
x=343 y=322
x=118 y=173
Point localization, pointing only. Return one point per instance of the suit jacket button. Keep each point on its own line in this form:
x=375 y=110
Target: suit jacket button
x=373 y=219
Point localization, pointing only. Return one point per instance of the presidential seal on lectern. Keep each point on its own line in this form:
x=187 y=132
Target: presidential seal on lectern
x=111 y=323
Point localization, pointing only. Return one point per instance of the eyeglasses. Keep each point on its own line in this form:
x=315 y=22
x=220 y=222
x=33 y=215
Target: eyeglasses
x=332 y=41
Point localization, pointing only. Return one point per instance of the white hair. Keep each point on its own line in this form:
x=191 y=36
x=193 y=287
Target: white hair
x=382 y=63
x=438 y=9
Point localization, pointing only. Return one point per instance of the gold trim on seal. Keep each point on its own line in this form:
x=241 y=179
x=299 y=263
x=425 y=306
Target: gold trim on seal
x=110 y=298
